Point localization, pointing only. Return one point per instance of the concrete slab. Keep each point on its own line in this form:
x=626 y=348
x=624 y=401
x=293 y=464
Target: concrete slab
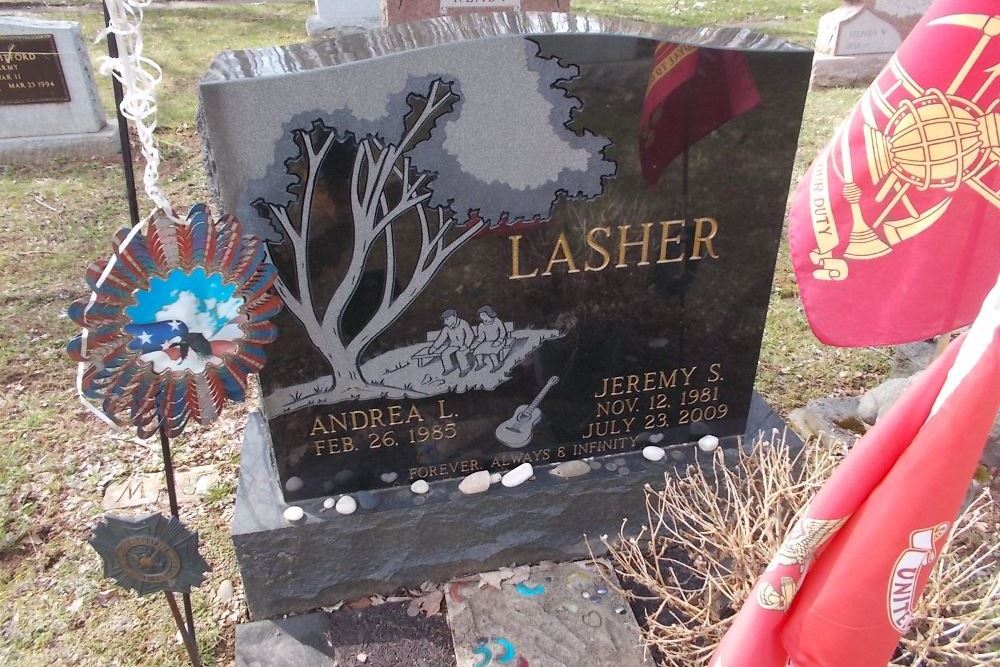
x=44 y=148
x=562 y=615
x=383 y=636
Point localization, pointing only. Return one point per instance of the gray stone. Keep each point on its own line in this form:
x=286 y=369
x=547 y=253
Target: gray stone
x=287 y=569
x=846 y=71
x=43 y=149
x=831 y=420
x=148 y=489
x=367 y=500
x=911 y=358
x=78 y=128
x=876 y=402
x=991 y=455
x=561 y=615
x=569 y=469
x=384 y=634
x=83 y=113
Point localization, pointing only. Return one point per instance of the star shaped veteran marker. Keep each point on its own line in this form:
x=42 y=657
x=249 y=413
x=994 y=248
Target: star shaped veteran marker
x=149 y=553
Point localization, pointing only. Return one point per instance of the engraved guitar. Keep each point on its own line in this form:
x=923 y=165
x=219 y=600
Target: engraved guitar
x=516 y=432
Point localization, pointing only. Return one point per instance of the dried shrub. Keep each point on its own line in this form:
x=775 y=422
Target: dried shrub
x=712 y=530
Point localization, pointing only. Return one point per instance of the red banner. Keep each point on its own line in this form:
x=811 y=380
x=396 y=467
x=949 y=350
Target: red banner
x=895 y=230
x=691 y=93
x=843 y=585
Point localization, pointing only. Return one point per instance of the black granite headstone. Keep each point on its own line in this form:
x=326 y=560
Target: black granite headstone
x=540 y=238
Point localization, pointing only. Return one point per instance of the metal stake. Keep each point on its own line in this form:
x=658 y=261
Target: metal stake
x=189 y=643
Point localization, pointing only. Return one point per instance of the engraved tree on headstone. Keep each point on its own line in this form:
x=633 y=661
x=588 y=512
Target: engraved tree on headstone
x=388 y=189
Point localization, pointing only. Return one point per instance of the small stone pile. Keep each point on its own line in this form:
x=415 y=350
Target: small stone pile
x=844 y=419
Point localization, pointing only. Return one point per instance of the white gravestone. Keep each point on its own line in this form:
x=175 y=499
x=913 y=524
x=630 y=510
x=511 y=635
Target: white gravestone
x=49 y=104
x=856 y=40
x=344 y=16
x=854 y=31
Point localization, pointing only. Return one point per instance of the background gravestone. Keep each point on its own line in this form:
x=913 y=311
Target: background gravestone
x=49 y=104
x=856 y=40
x=343 y=16
x=401 y=11
x=426 y=192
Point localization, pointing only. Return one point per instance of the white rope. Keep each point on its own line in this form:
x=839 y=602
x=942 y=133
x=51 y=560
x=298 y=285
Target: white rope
x=139 y=77
x=81 y=367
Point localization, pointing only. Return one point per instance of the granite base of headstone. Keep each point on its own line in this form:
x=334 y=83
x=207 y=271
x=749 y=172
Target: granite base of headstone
x=49 y=105
x=399 y=539
x=335 y=17
x=856 y=40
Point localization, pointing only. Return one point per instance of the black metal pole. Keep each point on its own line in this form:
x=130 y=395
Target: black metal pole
x=123 y=139
x=128 y=167
x=189 y=643
x=168 y=471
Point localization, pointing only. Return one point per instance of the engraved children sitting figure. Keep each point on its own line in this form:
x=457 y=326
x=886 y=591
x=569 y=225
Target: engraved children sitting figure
x=491 y=339
x=453 y=343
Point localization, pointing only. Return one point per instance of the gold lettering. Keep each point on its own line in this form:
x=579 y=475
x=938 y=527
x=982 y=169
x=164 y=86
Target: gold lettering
x=567 y=256
x=318 y=427
x=700 y=237
x=667 y=238
x=601 y=250
x=414 y=415
x=515 y=260
x=624 y=244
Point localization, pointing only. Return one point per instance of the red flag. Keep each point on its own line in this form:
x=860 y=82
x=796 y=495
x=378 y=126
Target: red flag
x=895 y=229
x=691 y=93
x=843 y=584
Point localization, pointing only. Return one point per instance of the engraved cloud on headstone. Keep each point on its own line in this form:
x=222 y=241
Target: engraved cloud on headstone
x=497 y=156
x=452 y=157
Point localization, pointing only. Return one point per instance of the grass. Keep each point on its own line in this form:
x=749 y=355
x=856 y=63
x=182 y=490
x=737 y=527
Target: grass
x=55 y=606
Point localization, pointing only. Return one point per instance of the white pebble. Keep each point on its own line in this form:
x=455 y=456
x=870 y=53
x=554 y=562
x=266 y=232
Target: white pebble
x=329 y=503
x=477 y=482
x=653 y=453
x=295 y=514
x=708 y=443
x=294 y=484
x=362 y=657
x=420 y=486
x=495 y=478
x=346 y=505
x=518 y=475
x=568 y=469
x=225 y=592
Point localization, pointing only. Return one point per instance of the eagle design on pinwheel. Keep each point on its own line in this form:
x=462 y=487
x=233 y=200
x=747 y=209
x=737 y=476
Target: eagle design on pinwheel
x=805 y=538
x=177 y=320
